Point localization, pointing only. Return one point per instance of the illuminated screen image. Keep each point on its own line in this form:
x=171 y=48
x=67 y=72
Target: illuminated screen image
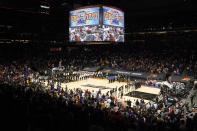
x=97 y=33
x=113 y=17
x=83 y=17
x=112 y=33
x=86 y=33
x=96 y=24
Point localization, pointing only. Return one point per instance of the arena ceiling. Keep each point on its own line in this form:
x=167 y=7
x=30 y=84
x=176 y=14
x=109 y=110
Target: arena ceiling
x=132 y=7
x=25 y=15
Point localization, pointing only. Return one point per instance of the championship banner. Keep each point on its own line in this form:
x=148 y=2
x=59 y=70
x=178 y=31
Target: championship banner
x=84 y=17
x=113 y=17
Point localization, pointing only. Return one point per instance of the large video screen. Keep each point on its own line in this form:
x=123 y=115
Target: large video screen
x=96 y=33
x=86 y=33
x=87 y=25
x=113 y=33
x=83 y=17
x=113 y=17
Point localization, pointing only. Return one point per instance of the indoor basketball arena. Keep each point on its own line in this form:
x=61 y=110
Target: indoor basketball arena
x=98 y=65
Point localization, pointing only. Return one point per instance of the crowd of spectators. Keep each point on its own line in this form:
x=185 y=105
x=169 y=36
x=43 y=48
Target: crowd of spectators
x=42 y=109
x=178 y=61
x=45 y=109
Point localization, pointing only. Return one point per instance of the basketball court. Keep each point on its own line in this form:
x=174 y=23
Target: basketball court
x=93 y=84
x=145 y=92
x=96 y=84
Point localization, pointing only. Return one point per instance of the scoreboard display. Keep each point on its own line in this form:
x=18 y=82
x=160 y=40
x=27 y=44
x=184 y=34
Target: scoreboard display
x=99 y=23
